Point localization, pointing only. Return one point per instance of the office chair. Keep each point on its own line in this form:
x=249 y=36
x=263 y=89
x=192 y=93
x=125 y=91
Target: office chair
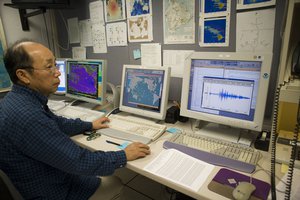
x=7 y=189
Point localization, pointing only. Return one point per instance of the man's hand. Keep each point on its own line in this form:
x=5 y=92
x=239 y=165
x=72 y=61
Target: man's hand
x=100 y=123
x=136 y=150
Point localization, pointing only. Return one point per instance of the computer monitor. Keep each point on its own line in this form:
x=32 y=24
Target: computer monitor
x=61 y=64
x=86 y=80
x=226 y=88
x=145 y=90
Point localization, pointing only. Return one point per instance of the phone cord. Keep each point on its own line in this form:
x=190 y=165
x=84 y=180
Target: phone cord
x=274 y=135
x=292 y=159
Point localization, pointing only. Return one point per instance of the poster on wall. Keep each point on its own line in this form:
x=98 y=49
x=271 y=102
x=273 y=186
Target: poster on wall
x=114 y=10
x=214 y=31
x=179 y=21
x=214 y=8
x=247 y=4
x=5 y=83
x=138 y=8
x=140 y=29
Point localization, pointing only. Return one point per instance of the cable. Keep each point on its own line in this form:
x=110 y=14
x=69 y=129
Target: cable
x=44 y=17
x=274 y=134
x=269 y=173
x=54 y=33
x=68 y=42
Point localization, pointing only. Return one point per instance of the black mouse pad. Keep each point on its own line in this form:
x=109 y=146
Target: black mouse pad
x=226 y=180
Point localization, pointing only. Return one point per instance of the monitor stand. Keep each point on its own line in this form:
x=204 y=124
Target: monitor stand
x=83 y=104
x=139 y=117
x=218 y=131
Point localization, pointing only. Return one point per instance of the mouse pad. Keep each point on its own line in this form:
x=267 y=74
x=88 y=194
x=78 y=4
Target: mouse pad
x=222 y=185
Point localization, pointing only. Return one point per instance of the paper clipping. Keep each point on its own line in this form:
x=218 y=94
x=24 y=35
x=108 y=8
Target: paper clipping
x=180 y=168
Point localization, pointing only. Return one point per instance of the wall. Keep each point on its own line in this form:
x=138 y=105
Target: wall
x=13 y=29
x=117 y=56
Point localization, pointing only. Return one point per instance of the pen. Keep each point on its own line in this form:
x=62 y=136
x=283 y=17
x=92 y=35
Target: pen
x=111 y=142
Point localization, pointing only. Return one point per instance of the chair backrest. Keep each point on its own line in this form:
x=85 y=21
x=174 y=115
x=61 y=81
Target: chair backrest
x=7 y=189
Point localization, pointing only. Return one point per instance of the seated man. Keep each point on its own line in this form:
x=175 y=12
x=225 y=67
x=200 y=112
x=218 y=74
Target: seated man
x=36 y=151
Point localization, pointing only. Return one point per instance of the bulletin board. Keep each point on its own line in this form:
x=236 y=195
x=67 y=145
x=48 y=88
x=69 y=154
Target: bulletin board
x=117 y=56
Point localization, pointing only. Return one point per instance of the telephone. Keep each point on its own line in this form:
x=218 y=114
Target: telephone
x=296 y=60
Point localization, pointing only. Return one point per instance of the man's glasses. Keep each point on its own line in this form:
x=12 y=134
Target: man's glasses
x=52 y=69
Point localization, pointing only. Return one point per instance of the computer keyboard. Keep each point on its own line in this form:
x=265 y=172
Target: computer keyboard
x=84 y=114
x=124 y=128
x=218 y=152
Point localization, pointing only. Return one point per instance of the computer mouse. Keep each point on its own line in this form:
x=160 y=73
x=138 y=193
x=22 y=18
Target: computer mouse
x=243 y=191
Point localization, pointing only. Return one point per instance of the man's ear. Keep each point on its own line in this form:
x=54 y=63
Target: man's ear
x=23 y=76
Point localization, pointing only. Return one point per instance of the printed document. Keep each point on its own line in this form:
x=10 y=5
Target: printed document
x=295 y=186
x=180 y=168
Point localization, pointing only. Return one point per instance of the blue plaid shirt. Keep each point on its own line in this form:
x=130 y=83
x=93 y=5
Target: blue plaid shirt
x=38 y=155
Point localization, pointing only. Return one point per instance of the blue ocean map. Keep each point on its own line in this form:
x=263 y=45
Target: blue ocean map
x=84 y=79
x=140 y=7
x=144 y=90
x=215 y=6
x=255 y=1
x=4 y=77
x=215 y=31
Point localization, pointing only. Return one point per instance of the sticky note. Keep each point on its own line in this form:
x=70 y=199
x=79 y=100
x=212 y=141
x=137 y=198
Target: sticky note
x=123 y=145
x=284 y=168
x=172 y=130
x=137 y=54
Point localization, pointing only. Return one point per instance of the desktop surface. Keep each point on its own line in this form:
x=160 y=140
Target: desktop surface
x=157 y=147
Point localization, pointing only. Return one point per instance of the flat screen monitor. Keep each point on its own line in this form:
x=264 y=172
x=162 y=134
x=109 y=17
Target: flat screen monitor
x=226 y=88
x=61 y=64
x=145 y=90
x=86 y=80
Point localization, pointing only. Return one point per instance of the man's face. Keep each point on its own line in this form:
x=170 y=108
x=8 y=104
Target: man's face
x=44 y=77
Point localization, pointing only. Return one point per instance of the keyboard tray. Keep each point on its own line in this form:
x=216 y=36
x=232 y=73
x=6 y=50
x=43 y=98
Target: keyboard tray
x=114 y=133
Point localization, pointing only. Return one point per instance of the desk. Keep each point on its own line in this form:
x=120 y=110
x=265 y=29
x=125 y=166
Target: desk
x=156 y=147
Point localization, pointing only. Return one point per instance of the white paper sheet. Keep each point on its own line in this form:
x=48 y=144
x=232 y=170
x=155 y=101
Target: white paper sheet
x=176 y=59
x=85 y=28
x=295 y=186
x=99 y=38
x=96 y=12
x=151 y=54
x=116 y=34
x=255 y=31
x=73 y=30
x=180 y=168
x=78 y=53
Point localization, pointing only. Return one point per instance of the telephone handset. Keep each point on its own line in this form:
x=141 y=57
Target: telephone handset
x=296 y=60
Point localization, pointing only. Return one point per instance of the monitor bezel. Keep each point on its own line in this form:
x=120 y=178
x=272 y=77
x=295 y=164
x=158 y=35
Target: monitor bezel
x=146 y=113
x=257 y=122
x=104 y=75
